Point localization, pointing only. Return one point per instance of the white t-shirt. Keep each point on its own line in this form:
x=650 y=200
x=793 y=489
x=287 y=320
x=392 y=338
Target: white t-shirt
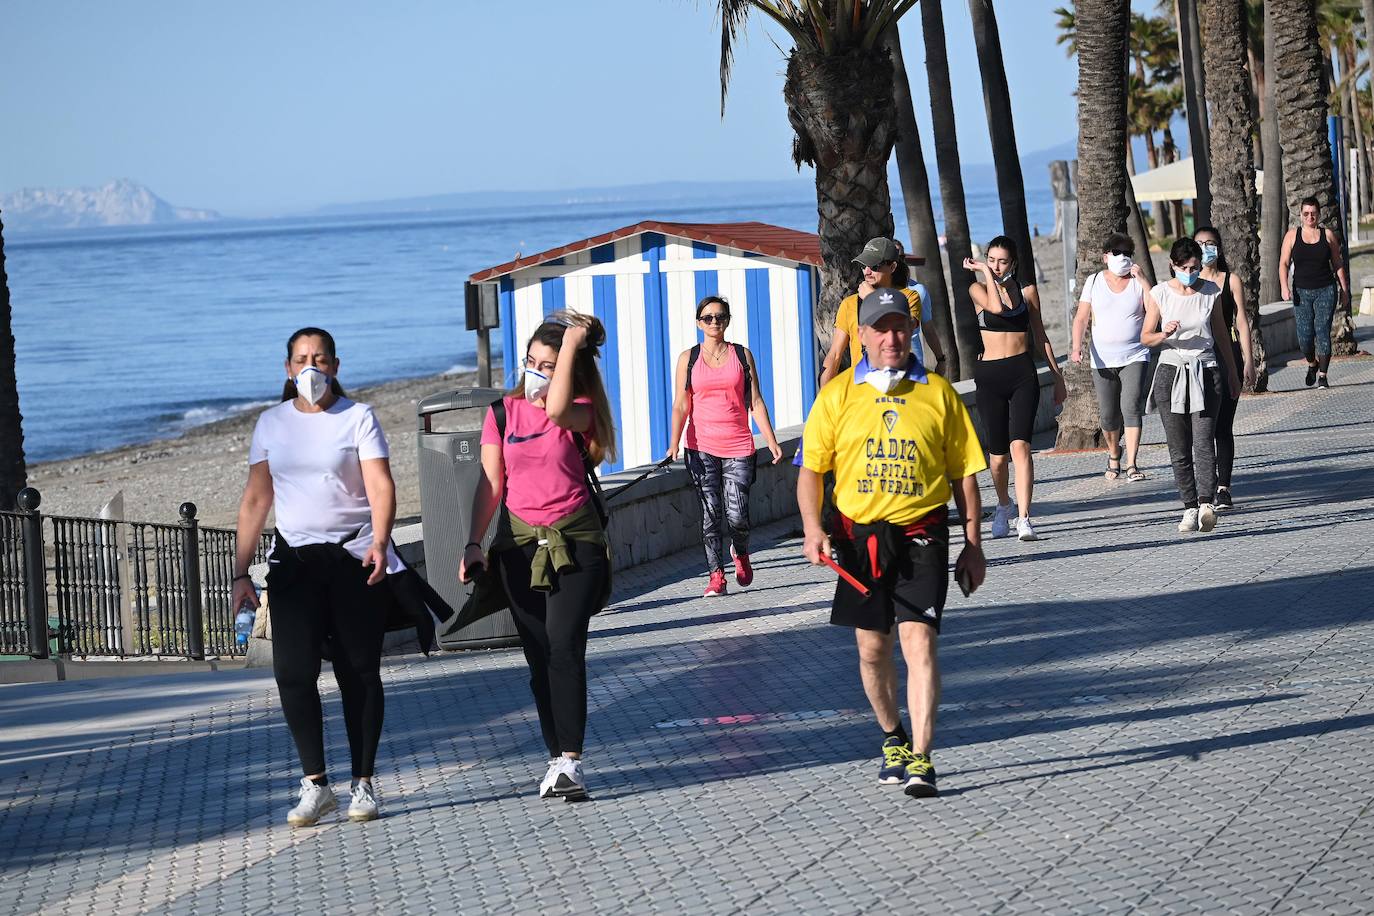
x=317 y=476
x=1118 y=319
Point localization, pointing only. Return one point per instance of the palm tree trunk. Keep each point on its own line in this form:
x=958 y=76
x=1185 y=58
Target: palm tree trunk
x=1359 y=199
x=13 y=473
x=1256 y=101
x=1195 y=97
x=920 y=214
x=1135 y=223
x=957 y=241
x=840 y=106
x=1102 y=182
x=1232 y=163
x=1157 y=209
x=1273 y=209
x=1011 y=187
x=1302 y=106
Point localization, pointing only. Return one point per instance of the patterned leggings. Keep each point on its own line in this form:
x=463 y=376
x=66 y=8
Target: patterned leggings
x=723 y=485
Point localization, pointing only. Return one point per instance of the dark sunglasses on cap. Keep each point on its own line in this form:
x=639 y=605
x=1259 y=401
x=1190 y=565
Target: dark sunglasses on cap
x=715 y=318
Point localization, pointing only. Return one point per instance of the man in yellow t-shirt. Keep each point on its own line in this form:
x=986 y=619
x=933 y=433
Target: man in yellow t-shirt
x=900 y=443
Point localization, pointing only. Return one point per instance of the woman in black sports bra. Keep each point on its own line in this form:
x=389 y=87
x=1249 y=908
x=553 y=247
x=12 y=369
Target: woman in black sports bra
x=1232 y=305
x=1319 y=278
x=1008 y=389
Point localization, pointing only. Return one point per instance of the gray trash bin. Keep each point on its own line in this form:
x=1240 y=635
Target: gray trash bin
x=450 y=466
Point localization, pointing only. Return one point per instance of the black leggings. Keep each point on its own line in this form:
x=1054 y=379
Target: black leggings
x=553 y=630
x=316 y=593
x=1008 y=395
x=1226 y=439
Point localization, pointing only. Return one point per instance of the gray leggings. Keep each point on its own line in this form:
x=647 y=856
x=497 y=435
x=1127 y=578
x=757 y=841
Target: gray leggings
x=723 y=485
x=1192 y=448
x=1121 y=395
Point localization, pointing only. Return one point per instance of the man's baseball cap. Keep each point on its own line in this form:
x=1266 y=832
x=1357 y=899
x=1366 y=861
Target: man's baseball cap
x=878 y=251
x=882 y=302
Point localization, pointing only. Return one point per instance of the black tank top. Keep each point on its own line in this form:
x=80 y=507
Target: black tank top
x=1228 y=310
x=1014 y=321
x=1311 y=262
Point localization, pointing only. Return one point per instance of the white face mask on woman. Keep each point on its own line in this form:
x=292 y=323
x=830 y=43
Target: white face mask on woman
x=1120 y=264
x=311 y=384
x=536 y=385
x=1209 y=254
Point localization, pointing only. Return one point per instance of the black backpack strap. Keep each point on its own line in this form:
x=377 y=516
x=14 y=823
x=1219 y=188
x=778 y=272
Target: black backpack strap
x=498 y=411
x=743 y=355
x=593 y=482
x=692 y=356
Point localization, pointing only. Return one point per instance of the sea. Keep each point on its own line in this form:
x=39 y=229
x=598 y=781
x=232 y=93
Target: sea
x=128 y=335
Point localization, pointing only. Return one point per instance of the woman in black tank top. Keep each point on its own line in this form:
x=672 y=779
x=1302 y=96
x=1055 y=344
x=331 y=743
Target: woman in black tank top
x=1232 y=305
x=1319 y=277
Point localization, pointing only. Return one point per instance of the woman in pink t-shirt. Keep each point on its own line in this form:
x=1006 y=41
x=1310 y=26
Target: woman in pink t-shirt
x=717 y=390
x=550 y=549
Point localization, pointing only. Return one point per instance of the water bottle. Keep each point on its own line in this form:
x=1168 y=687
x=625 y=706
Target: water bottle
x=243 y=625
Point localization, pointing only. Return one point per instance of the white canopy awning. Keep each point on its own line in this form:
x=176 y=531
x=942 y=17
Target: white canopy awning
x=1174 y=181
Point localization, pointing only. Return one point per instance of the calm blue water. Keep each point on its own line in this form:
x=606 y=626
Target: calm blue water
x=126 y=336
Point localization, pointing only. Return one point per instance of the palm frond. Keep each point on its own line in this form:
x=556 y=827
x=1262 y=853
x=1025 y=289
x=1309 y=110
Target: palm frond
x=734 y=14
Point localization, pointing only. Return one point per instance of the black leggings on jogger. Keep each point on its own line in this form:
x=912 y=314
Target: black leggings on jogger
x=1226 y=418
x=316 y=592
x=553 y=631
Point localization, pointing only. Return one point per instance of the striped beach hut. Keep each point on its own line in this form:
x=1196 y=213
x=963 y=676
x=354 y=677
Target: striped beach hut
x=643 y=282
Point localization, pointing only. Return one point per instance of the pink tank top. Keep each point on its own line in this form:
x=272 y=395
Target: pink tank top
x=718 y=423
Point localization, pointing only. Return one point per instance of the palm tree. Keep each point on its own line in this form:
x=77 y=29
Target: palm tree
x=838 y=91
x=1102 y=181
x=13 y=473
x=1233 y=156
x=957 y=241
x=1273 y=208
x=1011 y=187
x=1195 y=91
x=1302 y=109
x=920 y=214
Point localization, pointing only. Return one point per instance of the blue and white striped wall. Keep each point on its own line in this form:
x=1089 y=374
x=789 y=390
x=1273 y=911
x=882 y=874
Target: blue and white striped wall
x=645 y=289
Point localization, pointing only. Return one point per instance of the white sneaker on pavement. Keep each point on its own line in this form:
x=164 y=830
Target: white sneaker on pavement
x=362 y=804
x=1025 y=530
x=315 y=802
x=546 y=784
x=1189 y=520
x=1206 y=517
x=1001 y=521
x=568 y=782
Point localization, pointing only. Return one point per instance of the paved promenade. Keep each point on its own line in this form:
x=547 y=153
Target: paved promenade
x=1134 y=719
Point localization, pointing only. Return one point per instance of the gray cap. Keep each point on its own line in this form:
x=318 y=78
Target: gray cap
x=878 y=251
x=882 y=302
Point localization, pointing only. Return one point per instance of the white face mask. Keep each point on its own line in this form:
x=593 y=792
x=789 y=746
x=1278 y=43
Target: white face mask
x=536 y=385
x=1209 y=254
x=1119 y=264
x=311 y=384
x=884 y=379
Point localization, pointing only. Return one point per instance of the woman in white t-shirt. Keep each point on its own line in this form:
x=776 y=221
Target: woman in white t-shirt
x=322 y=461
x=1113 y=301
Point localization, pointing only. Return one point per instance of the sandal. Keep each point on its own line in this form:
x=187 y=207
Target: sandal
x=1113 y=473
x=1134 y=473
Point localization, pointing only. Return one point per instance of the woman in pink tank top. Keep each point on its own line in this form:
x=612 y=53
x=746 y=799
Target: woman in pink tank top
x=717 y=392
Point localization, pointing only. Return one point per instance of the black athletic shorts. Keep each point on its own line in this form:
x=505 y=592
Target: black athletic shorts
x=912 y=586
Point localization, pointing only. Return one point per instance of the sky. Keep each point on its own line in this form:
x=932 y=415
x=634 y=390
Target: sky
x=260 y=107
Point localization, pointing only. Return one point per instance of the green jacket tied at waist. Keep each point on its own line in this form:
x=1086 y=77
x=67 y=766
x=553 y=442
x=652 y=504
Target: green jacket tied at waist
x=582 y=525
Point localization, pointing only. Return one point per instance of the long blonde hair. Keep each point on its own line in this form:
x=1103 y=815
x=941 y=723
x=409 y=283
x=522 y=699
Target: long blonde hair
x=586 y=376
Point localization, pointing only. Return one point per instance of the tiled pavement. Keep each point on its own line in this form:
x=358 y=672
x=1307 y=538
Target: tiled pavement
x=1134 y=719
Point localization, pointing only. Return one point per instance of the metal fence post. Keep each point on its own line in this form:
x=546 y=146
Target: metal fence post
x=35 y=575
x=190 y=573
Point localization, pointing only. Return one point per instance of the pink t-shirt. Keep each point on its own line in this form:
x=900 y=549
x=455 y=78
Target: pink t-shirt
x=545 y=479
x=719 y=420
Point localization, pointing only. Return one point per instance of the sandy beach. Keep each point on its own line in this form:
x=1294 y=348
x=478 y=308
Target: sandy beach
x=208 y=464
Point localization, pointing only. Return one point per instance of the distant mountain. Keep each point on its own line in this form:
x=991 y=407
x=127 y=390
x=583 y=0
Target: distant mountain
x=118 y=203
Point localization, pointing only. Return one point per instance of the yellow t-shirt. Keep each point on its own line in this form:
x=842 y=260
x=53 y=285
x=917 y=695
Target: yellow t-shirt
x=893 y=454
x=847 y=320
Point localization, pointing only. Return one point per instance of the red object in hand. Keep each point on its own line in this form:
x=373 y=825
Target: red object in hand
x=859 y=586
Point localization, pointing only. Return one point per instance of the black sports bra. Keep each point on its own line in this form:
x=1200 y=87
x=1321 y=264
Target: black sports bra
x=1013 y=321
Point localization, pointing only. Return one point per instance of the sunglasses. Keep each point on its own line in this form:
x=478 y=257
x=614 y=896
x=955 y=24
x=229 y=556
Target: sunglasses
x=1119 y=253
x=715 y=318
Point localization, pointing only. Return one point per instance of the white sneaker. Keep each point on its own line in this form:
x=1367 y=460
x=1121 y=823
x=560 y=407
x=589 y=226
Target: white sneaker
x=1001 y=521
x=568 y=782
x=1189 y=520
x=1025 y=530
x=315 y=803
x=1206 y=517
x=546 y=784
x=362 y=804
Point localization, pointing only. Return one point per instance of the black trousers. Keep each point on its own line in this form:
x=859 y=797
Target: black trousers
x=1226 y=418
x=319 y=593
x=553 y=630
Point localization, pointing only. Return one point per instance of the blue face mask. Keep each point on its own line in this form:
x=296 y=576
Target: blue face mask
x=1209 y=254
x=1186 y=277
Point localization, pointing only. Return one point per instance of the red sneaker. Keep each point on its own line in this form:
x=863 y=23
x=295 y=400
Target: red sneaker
x=744 y=573
x=717 y=584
